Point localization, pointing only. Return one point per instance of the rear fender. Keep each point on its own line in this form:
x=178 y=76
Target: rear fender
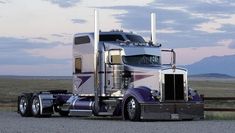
x=46 y=103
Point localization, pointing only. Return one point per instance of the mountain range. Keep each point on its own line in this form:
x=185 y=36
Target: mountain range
x=213 y=65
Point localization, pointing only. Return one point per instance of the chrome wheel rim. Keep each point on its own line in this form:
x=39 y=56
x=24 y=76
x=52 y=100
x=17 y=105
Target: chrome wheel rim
x=35 y=106
x=23 y=104
x=131 y=108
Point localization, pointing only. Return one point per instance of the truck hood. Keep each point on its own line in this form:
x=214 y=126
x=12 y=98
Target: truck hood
x=151 y=77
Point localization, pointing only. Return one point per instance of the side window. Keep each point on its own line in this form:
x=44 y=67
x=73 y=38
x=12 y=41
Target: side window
x=116 y=59
x=81 y=40
x=114 y=56
x=78 y=65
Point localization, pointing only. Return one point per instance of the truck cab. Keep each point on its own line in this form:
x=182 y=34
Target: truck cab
x=131 y=70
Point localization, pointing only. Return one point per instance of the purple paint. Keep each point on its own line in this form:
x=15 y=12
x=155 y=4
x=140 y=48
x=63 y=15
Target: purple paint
x=139 y=77
x=141 y=94
x=83 y=79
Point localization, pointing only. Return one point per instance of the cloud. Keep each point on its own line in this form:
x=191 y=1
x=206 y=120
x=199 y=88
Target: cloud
x=11 y=43
x=39 y=39
x=64 y=3
x=168 y=22
x=3 y=2
x=34 y=56
x=130 y=20
x=213 y=8
x=193 y=54
x=212 y=1
x=187 y=23
x=193 y=27
x=80 y=21
x=57 y=35
x=209 y=27
x=181 y=23
x=57 y=52
x=37 y=70
x=21 y=58
x=15 y=51
x=216 y=24
x=232 y=44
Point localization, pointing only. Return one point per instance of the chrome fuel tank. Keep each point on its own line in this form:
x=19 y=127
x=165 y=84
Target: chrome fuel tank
x=117 y=76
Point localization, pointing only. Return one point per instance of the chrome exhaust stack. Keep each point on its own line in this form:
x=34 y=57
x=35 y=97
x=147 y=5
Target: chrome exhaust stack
x=153 y=29
x=96 y=56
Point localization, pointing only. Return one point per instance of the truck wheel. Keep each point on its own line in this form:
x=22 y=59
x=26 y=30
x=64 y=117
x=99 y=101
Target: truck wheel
x=133 y=109
x=64 y=113
x=24 y=106
x=35 y=107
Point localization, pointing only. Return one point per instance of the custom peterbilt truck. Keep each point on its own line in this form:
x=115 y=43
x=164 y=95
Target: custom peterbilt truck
x=118 y=73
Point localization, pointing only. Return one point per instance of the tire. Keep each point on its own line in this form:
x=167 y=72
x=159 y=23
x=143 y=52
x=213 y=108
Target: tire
x=35 y=106
x=132 y=109
x=63 y=113
x=24 y=105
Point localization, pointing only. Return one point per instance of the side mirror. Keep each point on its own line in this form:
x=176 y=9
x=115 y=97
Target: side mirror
x=173 y=56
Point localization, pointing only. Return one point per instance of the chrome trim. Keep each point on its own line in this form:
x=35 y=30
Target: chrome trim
x=153 y=29
x=74 y=102
x=23 y=104
x=74 y=112
x=90 y=104
x=79 y=110
x=40 y=102
x=86 y=95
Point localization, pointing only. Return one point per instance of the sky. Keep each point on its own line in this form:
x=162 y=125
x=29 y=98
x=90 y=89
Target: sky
x=36 y=36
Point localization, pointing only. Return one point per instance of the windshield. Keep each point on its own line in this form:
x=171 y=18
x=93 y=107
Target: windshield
x=135 y=38
x=137 y=60
x=111 y=38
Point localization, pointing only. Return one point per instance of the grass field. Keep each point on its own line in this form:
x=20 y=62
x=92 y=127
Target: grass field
x=214 y=87
x=12 y=87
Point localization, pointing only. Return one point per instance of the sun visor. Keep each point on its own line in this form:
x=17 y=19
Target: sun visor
x=129 y=51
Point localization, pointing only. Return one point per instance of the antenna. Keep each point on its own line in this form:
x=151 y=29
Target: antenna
x=153 y=29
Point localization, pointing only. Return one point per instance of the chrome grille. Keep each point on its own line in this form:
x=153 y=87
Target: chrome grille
x=173 y=87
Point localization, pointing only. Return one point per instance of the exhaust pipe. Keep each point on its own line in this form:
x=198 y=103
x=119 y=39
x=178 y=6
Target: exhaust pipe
x=153 y=29
x=96 y=31
x=96 y=56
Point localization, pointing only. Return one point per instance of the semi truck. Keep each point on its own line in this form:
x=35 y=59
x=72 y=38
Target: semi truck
x=118 y=73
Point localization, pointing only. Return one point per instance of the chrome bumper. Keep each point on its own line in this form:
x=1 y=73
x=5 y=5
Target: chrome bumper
x=172 y=111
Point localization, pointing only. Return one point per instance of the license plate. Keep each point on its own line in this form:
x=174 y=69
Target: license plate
x=174 y=116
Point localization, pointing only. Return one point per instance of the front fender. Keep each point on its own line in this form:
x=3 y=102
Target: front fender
x=141 y=94
x=194 y=95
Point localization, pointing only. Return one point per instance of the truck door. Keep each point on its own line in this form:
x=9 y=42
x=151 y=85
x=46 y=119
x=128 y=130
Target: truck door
x=76 y=73
x=114 y=69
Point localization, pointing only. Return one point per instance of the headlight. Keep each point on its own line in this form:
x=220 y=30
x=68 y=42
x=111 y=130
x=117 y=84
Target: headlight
x=156 y=94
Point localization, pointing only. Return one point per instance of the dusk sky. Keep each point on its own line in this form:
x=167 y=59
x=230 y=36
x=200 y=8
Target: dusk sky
x=36 y=35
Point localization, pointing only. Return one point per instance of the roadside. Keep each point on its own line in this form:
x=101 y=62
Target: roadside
x=11 y=122
x=12 y=87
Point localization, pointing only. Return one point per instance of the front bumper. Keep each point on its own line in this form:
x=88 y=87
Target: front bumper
x=172 y=111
